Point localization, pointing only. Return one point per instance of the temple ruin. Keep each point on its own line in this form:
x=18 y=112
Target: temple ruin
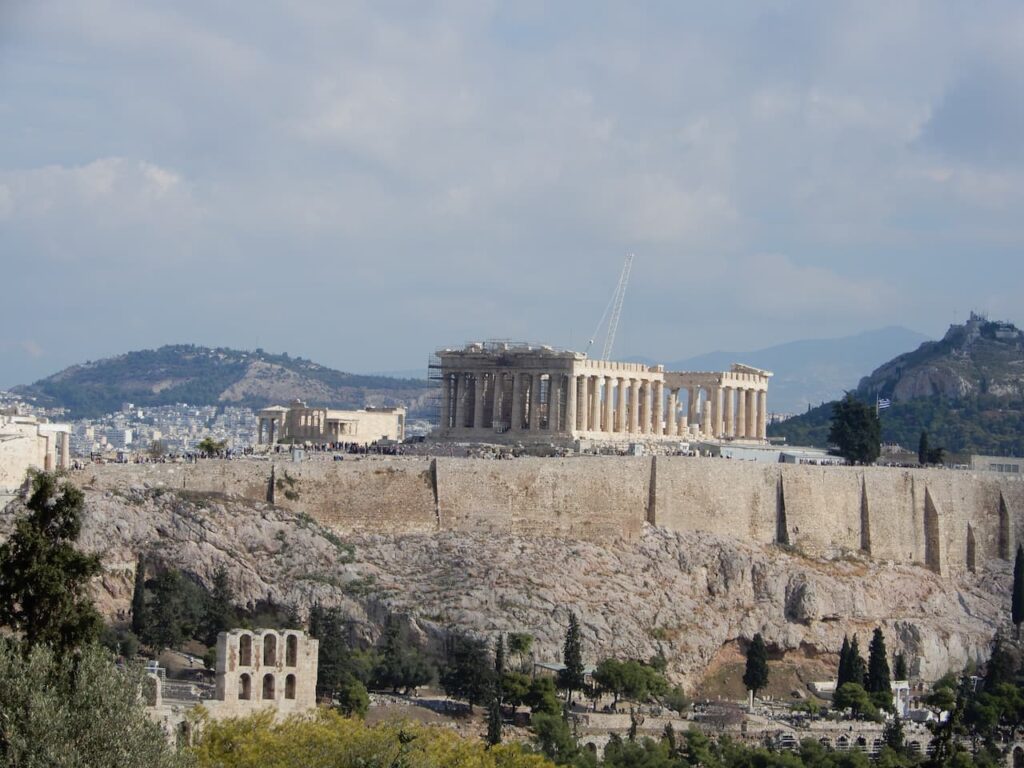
x=498 y=392
x=299 y=422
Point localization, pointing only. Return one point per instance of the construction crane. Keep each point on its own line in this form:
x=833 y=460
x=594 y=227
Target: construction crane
x=615 y=305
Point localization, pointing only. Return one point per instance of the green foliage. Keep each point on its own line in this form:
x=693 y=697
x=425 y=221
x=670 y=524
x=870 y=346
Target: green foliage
x=571 y=678
x=980 y=424
x=520 y=644
x=855 y=431
x=210 y=447
x=853 y=697
x=353 y=699
x=878 y=678
x=329 y=740
x=900 y=670
x=755 y=674
x=75 y=709
x=44 y=579
x=401 y=665
x=119 y=641
x=554 y=738
x=468 y=673
x=630 y=679
x=851 y=664
x=175 y=612
x=219 y=613
x=338 y=665
x=542 y=697
x=676 y=700
x=139 y=616
x=515 y=687
x=494 y=722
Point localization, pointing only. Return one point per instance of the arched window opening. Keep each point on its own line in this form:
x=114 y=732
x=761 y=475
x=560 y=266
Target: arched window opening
x=245 y=651
x=289 y=687
x=291 y=653
x=269 y=650
x=245 y=687
x=268 y=686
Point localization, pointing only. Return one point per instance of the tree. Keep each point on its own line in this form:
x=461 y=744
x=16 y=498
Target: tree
x=1017 y=603
x=176 y=610
x=44 y=580
x=852 y=696
x=140 y=614
x=210 y=447
x=843 y=672
x=878 y=678
x=1002 y=665
x=855 y=668
x=520 y=643
x=554 y=737
x=352 y=698
x=75 y=709
x=157 y=448
x=899 y=667
x=855 y=431
x=494 y=722
x=755 y=676
x=327 y=740
x=892 y=733
x=219 y=611
x=401 y=665
x=922 y=449
x=571 y=678
x=467 y=672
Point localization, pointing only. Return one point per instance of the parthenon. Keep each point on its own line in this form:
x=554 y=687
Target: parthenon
x=499 y=391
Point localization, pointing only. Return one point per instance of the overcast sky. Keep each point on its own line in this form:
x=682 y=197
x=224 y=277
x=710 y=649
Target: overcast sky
x=362 y=183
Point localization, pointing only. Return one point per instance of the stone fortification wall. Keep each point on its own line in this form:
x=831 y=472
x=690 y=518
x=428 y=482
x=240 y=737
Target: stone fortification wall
x=591 y=498
x=946 y=520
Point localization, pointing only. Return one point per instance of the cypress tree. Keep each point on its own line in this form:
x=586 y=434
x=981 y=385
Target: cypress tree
x=571 y=678
x=843 y=672
x=494 y=723
x=922 y=449
x=893 y=734
x=139 y=598
x=755 y=676
x=44 y=579
x=899 y=667
x=499 y=656
x=1017 y=606
x=855 y=665
x=878 y=679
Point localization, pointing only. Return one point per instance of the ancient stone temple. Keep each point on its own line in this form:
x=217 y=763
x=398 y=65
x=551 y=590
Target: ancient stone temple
x=299 y=422
x=498 y=391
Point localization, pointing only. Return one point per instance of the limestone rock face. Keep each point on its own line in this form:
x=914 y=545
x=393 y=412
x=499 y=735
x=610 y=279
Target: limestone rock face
x=686 y=595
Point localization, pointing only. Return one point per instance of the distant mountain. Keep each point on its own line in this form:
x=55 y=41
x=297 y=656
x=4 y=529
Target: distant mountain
x=966 y=391
x=812 y=371
x=185 y=373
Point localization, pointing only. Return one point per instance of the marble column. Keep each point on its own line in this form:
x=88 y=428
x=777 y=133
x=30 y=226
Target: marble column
x=460 y=400
x=446 y=401
x=716 y=411
x=634 y=405
x=762 y=414
x=516 y=421
x=554 y=399
x=749 y=427
x=478 y=400
x=645 y=407
x=691 y=411
x=570 y=403
x=495 y=395
x=534 y=420
x=705 y=424
x=259 y=431
x=621 y=405
x=595 y=404
x=606 y=424
x=583 y=406
x=729 y=428
x=741 y=413
x=659 y=413
x=673 y=404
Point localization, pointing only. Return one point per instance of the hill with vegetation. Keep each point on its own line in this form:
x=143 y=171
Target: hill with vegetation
x=966 y=391
x=185 y=373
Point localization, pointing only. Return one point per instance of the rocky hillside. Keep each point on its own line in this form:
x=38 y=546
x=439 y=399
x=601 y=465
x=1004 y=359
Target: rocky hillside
x=966 y=391
x=694 y=597
x=204 y=376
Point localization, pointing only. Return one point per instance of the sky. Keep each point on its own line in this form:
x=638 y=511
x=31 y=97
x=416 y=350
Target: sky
x=363 y=183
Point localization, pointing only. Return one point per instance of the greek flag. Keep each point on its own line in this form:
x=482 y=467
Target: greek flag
x=883 y=403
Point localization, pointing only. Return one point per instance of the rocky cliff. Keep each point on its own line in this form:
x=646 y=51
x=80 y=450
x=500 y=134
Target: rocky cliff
x=693 y=596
